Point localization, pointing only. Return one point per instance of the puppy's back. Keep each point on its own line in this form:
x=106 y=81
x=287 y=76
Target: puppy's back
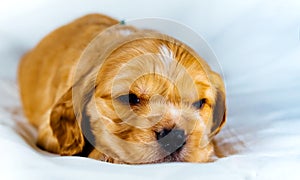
x=45 y=73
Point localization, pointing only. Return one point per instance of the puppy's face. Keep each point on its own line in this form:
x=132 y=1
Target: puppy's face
x=155 y=101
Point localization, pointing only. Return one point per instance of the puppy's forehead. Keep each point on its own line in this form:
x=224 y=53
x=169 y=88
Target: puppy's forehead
x=147 y=61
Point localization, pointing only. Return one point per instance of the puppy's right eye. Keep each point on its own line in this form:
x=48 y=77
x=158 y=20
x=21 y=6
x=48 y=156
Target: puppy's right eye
x=131 y=99
x=199 y=104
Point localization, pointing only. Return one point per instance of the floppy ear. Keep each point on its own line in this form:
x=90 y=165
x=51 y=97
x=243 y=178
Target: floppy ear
x=219 y=108
x=65 y=127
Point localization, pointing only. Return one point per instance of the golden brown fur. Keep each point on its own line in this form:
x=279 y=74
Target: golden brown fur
x=73 y=98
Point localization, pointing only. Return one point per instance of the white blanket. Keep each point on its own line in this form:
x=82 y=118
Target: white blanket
x=258 y=46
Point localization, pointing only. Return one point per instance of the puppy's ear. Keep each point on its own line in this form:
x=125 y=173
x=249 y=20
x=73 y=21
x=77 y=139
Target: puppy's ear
x=65 y=127
x=219 y=108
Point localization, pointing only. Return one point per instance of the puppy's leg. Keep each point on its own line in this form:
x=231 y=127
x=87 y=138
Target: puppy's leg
x=46 y=140
x=95 y=154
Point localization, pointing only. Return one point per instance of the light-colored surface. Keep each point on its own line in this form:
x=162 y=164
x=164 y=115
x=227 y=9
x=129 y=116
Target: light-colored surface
x=258 y=46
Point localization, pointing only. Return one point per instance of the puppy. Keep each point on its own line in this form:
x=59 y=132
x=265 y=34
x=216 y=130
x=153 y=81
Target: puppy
x=119 y=94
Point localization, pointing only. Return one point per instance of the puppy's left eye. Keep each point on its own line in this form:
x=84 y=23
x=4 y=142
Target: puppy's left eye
x=199 y=104
x=131 y=99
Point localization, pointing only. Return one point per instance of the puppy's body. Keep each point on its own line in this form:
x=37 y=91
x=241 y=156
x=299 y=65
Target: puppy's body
x=47 y=77
x=45 y=73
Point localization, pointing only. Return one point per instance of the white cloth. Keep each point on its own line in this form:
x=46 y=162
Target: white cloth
x=258 y=46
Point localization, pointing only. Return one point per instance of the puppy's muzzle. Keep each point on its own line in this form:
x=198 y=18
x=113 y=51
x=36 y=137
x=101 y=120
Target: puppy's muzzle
x=171 y=140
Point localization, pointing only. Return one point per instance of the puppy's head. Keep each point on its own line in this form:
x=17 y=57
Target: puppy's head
x=152 y=100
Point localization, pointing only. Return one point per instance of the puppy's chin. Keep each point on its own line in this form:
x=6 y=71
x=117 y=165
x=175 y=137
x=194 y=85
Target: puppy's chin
x=199 y=155
x=177 y=156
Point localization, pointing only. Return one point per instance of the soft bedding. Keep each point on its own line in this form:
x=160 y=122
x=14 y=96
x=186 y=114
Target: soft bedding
x=258 y=47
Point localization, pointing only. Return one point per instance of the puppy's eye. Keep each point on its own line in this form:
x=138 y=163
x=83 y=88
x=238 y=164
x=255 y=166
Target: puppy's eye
x=131 y=99
x=199 y=104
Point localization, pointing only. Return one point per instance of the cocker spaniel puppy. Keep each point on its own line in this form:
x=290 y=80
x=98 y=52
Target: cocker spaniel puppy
x=115 y=93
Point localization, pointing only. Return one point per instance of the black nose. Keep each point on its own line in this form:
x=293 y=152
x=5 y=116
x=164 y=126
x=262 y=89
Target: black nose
x=171 y=140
